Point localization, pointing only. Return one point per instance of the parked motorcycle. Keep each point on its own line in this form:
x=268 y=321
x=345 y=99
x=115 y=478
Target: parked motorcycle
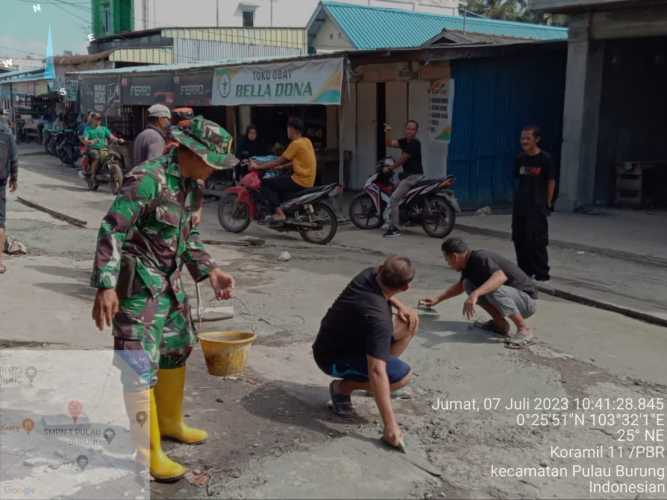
x=308 y=213
x=68 y=148
x=110 y=171
x=430 y=204
x=52 y=138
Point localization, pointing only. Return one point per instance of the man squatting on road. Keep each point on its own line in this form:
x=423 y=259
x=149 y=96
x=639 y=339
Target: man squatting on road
x=496 y=284
x=359 y=340
x=143 y=243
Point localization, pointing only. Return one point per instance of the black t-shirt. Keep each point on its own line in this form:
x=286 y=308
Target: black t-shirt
x=533 y=174
x=482 y=264
x=359 y=323
x=414 y=164
x=250 y=148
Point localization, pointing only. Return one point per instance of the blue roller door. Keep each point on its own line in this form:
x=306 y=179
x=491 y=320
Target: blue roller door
x=494 y=99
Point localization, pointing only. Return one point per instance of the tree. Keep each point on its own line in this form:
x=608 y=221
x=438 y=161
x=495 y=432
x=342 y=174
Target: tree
x=510 y=10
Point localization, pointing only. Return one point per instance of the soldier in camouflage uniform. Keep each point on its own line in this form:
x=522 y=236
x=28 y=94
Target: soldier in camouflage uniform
x=143 y=243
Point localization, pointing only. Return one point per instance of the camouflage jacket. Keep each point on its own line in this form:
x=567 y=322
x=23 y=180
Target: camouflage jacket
x=151 y=221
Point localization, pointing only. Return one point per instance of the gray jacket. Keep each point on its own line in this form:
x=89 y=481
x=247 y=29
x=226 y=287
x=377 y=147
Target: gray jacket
x=148 y=145
x=8 y=155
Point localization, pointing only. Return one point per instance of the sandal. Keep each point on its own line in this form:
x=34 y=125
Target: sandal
x=520 y=340
x=341 y=405
x=490 y=326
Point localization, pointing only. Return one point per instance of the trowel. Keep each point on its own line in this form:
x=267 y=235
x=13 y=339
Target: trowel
x=426 y=309
x=417 y=462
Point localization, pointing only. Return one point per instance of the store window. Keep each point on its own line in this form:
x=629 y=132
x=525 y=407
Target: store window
x=249 y=18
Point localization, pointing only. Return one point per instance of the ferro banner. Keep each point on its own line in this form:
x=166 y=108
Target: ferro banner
x=298 y=82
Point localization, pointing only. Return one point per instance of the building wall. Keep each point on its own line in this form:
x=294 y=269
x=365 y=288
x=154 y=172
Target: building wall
x=406 y=97
x=632 y=122
x=112 y=16
x=163 y=13
x=329 y=38
x=586 y=179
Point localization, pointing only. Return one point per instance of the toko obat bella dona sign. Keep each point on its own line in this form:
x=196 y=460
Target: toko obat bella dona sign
x=298 y=82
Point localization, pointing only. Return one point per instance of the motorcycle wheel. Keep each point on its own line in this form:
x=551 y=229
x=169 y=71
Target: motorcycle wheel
x=363 y=213
x=92 y=183
x=116 y=180
x=442 y=219
x=233 y=216
x=327 y=217
x=51 y=145
x=46 y=140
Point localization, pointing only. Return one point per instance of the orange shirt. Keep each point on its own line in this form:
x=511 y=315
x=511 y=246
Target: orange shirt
x=304 y=164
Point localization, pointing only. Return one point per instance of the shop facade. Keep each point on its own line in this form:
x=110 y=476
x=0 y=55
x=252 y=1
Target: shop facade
x=471 y=102
x=264 y=94
x=614 y=149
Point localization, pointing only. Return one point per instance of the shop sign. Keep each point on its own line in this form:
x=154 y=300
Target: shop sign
x=148 y=90
x=441 y=107
x=193 y=89
x=72 y=89
x=101 y=95
x=298 y=82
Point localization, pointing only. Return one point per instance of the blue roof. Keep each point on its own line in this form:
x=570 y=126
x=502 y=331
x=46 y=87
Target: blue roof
x=374 y=27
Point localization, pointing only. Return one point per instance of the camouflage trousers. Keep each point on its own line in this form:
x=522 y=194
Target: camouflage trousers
x=151 y=333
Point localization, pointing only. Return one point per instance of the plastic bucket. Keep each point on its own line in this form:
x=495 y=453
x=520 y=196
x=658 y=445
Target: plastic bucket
x=226 y=353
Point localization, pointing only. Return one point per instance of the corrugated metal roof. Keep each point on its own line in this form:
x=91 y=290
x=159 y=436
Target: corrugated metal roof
x=26 y=73
x=157 y=68
x=374 y=27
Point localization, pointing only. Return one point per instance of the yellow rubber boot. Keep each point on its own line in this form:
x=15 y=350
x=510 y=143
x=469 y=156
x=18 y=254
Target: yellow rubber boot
x=147 y=440
x=169 y=398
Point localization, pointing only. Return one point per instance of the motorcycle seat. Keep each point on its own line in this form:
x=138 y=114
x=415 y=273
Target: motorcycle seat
x=313 y=189
x=429 y=181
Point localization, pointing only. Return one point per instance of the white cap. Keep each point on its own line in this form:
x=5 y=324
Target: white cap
x=159 y=111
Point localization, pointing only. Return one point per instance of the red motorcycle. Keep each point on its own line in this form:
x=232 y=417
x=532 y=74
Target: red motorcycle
x=308 y=212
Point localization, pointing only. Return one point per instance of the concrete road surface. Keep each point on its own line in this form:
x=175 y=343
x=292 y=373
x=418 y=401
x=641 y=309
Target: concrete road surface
x=486 y=421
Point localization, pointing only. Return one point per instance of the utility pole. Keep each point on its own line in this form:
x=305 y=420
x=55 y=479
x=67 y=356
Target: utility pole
x=217 y=13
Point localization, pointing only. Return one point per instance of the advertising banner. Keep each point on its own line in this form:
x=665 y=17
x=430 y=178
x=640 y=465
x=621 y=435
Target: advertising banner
x=298 y=82
x=193 y=89
x=440 y=111
x=101 y=95
x=147 y=90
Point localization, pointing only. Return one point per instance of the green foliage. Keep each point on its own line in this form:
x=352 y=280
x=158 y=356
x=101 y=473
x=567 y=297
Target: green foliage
x=511 y=10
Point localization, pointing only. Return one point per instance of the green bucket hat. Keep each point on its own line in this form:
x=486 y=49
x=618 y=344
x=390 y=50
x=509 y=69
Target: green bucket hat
x=209 y=141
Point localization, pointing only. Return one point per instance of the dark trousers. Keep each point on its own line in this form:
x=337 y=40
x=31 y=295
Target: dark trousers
x=278 y=189
x=531 y=237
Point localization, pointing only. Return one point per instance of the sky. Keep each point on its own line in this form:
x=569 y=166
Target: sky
x=24 y=30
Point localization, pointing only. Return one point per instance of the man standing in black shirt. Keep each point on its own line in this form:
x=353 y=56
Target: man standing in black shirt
x=359 y=342
x=413 y=172
x=496 y=284
x=533 y=199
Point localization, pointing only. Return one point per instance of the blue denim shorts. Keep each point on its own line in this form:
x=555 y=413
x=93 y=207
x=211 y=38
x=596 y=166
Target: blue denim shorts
x=356 y=369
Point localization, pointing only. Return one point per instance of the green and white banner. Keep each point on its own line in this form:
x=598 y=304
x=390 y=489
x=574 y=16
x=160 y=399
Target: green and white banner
x=298 y=82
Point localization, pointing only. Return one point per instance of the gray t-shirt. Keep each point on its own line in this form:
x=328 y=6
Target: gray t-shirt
x=482 y=264
x=149 y=145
